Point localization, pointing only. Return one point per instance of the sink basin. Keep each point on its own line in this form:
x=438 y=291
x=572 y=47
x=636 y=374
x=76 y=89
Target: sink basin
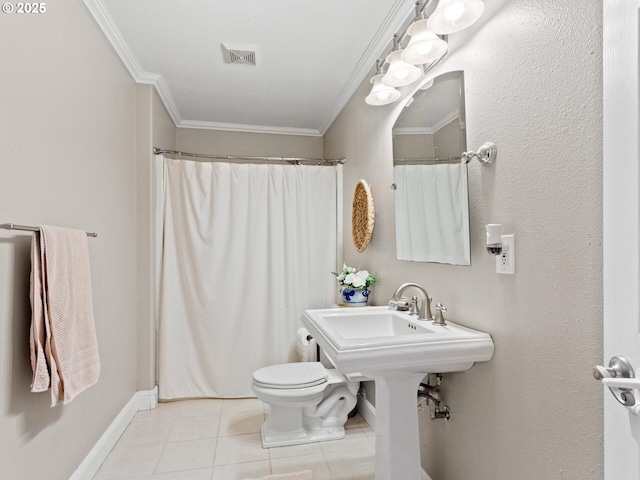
x=372 y=339
x=396 y=350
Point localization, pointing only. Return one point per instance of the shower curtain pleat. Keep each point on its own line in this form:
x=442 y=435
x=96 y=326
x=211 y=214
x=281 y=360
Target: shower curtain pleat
x=246 y=249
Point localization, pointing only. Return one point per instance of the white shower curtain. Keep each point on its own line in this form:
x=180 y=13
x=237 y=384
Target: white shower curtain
x=432 y=213
x=246 y=249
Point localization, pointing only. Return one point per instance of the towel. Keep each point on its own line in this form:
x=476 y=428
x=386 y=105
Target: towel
x=63 y=344
x=306 y=475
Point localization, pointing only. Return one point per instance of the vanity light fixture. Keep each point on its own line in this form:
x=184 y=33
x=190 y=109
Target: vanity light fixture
x=425 y=46
x=451 y=16
x=399 y=73
x=381 y=94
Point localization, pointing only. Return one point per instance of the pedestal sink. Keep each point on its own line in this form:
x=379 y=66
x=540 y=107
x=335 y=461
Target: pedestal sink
x=396 y=350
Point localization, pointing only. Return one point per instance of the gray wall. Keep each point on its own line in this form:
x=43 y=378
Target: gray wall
x=533 y=86
x=67 y=130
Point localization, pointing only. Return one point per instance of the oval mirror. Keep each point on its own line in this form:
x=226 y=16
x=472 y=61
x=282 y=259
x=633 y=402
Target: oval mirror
x=430 y=180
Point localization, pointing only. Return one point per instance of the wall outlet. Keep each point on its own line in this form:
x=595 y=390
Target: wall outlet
x=506 y=261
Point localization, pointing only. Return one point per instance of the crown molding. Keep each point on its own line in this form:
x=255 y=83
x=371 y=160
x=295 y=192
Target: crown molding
x=233 y=127
x=393 y=22
x=107 y=25
x=427 y=130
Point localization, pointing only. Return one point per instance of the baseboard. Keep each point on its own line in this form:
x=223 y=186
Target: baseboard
x=147 y=399
x=368 y=412
x=144 y=400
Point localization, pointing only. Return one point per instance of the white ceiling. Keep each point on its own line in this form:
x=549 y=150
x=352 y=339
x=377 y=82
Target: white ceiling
x=312 y=56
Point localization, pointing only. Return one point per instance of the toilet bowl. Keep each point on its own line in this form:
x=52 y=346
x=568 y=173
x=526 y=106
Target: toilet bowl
x=307 y=403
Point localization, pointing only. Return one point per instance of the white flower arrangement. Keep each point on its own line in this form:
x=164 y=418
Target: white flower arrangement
x=354 y=278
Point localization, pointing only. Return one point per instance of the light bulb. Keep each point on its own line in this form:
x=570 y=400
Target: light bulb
x=451 y=16
x=425 y=46
x=453 y=12
x=400 y=73
x=381 y=94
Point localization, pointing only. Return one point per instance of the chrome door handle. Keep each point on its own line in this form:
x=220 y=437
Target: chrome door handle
x=621 y=379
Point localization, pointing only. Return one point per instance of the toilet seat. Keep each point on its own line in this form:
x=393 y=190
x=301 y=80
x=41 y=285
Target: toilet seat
x=291 y=375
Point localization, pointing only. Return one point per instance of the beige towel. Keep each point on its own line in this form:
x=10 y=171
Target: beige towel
x=64 y=349
x=306 y=475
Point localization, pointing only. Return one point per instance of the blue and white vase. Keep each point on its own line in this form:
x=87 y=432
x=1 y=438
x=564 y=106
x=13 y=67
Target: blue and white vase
x=354 y=297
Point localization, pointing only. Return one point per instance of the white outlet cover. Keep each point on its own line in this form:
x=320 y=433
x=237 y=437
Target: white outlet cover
x=506 y=262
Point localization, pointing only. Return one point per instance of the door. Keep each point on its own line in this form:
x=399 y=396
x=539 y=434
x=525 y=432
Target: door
x=621 y=216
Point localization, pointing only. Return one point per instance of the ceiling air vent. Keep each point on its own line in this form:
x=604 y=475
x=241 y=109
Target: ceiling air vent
x=240 y=54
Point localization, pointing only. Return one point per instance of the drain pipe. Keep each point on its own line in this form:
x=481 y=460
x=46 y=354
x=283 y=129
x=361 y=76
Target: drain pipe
x=432 y=395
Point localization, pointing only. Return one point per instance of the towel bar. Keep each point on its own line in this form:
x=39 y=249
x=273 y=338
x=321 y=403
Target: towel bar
x=13 y=226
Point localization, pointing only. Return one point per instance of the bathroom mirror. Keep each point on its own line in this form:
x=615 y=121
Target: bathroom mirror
x=430 y=180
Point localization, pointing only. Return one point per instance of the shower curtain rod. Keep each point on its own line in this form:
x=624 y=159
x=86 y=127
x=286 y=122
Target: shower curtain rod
x=317 y=161
x=26 y=228
x=425 y=161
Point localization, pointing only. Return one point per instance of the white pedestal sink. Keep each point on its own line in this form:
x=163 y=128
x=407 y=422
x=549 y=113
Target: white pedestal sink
x=396 y=350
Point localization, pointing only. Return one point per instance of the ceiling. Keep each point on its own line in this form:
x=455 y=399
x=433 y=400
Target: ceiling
x=311 y=56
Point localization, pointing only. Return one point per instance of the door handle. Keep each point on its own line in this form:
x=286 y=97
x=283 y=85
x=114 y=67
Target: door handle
x=621 y=379
x=627 y=383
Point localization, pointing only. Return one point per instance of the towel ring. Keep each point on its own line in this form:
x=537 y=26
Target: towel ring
x=486 y=154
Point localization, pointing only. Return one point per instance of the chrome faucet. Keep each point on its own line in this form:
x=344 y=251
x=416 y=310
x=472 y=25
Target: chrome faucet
x=424 y=312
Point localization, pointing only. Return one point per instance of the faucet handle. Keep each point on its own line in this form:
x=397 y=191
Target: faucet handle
x=413 y=308
x=439 y=320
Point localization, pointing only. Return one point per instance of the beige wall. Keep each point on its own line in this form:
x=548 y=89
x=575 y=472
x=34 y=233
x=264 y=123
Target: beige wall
x=533 y=86
x=252 y=144
x=67 y=130
x=76 y=134
x=154 y=128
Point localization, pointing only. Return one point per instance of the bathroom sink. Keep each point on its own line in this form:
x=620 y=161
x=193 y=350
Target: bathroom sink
x=374 y=339
x=396 y=350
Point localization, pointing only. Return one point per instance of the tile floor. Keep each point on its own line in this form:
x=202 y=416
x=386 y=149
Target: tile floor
x=220 y=440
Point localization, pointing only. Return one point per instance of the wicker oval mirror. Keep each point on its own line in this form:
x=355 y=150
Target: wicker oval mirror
x=363 y=216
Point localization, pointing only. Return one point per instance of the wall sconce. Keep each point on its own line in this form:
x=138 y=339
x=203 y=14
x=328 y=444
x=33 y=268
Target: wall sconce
x=424 y=48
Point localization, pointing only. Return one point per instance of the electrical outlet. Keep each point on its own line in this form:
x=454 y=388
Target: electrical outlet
x=506 y=261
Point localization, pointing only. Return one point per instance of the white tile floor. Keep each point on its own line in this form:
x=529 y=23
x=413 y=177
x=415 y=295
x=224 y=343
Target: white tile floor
x=220 y=440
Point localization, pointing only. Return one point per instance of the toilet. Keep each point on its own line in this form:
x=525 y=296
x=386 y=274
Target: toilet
x=307 y=403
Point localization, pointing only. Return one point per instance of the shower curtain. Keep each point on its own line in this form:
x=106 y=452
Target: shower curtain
x=246 y=249
x=432 y=213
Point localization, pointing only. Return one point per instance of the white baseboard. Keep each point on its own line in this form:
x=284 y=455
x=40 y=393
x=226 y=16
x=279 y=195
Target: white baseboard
x=368 y=412
x=147 y=399
x=144 y=400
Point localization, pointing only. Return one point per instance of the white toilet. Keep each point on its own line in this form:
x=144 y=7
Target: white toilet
x=307 y=403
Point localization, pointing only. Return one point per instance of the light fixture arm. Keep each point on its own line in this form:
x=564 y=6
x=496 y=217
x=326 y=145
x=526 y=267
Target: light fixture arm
x=420 y=6
x=396 y=42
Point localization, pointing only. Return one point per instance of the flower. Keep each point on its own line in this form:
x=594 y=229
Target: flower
x=352 y=277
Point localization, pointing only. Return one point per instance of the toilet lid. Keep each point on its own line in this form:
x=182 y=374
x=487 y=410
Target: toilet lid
x=291 y=375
